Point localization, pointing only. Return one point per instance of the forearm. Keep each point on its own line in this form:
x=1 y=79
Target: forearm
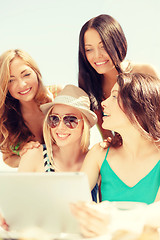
x=32 y=161
x=11 y=160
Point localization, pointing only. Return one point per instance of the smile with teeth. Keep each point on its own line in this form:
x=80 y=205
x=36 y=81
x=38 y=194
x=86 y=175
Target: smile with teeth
x=60 y=135
x=101 y=63
x=25 y=91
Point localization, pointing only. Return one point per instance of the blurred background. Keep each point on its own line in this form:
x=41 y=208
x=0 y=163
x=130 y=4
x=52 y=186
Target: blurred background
x=49 y=30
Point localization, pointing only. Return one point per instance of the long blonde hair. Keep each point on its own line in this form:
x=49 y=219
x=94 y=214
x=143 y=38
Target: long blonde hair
x=13 y=130
x=49 y=140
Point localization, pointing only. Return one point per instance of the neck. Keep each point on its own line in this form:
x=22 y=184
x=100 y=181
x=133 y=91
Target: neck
x=28 y=106
x=68 y=158
x=109 y=79
x=111 y=75
x=135 y=144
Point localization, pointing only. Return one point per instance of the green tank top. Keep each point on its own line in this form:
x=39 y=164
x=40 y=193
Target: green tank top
x=114 y=189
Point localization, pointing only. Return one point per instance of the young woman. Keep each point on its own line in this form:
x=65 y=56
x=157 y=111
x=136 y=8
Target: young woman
x=66 y=133
x=22 y=92
x=102 y=52
x=132 y=171
x=127 y=172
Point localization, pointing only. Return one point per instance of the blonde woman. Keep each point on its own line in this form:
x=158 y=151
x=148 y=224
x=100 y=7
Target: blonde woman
x=22 y=92
x=66 y=133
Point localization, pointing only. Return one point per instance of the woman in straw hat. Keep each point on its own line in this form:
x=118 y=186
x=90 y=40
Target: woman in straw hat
x=66 y=131
x=22 y=93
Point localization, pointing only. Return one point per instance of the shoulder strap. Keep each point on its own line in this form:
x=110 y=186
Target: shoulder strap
x=107 y=153
x=47 y=165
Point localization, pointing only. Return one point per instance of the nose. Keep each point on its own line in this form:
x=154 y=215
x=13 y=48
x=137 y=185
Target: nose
x=98 y=53
x=21 y=83
x=104 y=103
x=61 y=124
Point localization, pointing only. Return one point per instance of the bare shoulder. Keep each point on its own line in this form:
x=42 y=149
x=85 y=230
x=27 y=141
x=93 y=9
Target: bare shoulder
x=97 y=152
x=98 y=148
x=144 y=68
x=36 y=151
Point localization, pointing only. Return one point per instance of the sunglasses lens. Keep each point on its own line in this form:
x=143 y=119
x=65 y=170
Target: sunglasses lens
x=53 y=121
x=70 y=121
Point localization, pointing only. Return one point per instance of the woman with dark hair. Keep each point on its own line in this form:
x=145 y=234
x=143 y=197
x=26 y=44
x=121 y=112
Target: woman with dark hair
x=22 y=93
x=132 y=110
x=102 y=52
x=132 y=171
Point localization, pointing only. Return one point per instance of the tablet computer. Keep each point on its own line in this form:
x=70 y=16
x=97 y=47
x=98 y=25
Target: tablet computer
x=41 y=200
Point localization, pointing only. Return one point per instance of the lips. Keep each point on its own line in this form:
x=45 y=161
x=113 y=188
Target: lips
x=25 y=91
x=105 y=115
x=62 y=136
x=101 y=63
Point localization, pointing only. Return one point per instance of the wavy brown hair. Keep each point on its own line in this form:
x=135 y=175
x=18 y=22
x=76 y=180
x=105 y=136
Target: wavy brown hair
x=139 y=98
x=13 y=129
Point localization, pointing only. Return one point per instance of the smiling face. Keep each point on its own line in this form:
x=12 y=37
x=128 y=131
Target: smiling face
x=114 y=118
x=23 y=82
x=62 y=134
x=96 y=53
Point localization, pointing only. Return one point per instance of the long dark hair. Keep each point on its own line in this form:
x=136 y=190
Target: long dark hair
x=115 y=44
x=139 y=98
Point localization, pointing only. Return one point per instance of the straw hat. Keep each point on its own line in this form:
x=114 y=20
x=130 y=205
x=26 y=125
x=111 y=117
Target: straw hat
x=75 y=97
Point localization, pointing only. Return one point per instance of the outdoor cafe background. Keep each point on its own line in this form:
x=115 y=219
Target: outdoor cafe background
x=49 y=30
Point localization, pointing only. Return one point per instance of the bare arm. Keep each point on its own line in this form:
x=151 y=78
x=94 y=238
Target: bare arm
x=146 y=69
x=32 y=161
x=11 y=160
x=91 y=164
x=93 y=218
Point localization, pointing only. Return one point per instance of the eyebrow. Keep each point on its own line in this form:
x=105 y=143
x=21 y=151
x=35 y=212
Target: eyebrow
x=87 y=44
x=21 y=73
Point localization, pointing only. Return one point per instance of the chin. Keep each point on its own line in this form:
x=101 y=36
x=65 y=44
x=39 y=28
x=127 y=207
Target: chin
x=100 y=72
x=103 y=126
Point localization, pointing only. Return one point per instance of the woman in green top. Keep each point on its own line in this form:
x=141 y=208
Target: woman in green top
x=132 y=171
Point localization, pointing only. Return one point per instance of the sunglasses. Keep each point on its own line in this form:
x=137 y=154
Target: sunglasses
x=69 y=120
